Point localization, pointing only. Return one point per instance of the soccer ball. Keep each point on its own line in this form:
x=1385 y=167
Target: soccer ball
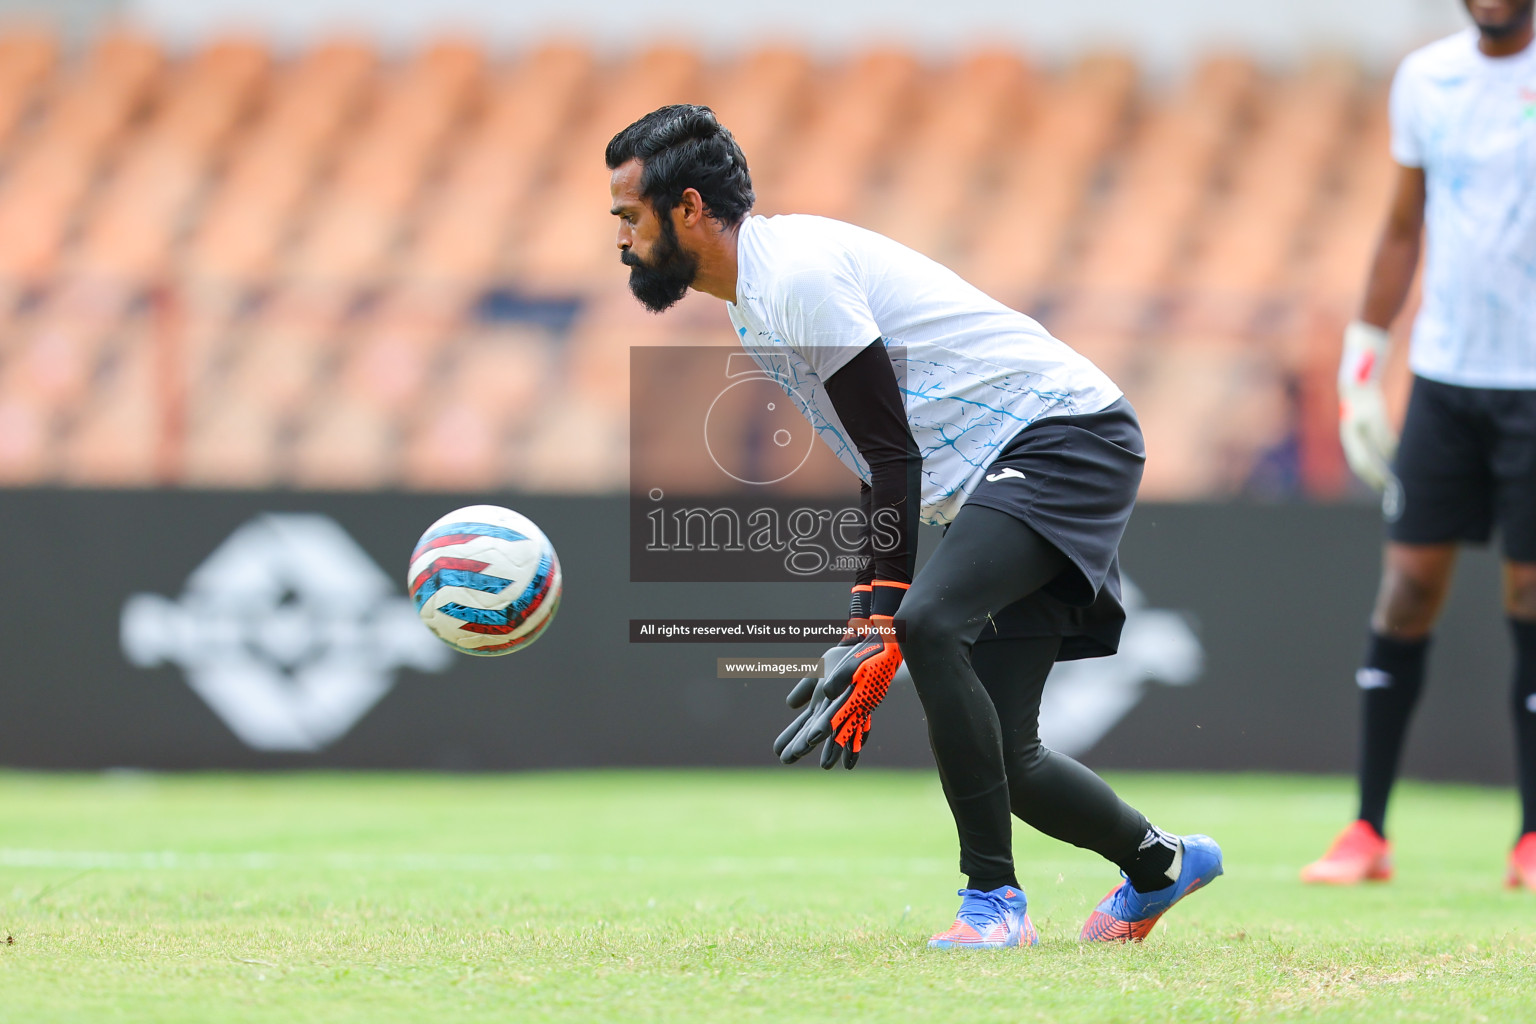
x=485 y=580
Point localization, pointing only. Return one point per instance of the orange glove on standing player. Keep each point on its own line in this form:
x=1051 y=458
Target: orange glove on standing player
x=856 y=687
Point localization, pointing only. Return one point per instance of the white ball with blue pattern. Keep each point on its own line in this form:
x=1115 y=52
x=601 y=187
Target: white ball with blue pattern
x=485 y=580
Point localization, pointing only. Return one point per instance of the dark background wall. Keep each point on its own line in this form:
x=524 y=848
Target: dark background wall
x=1277 y=595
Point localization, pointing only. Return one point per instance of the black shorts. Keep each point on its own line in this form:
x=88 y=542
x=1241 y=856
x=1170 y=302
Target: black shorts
x=1466 y=462
x=1073 y=480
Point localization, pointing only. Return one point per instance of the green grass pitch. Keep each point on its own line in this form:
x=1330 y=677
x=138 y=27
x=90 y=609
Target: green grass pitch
x=714 y=896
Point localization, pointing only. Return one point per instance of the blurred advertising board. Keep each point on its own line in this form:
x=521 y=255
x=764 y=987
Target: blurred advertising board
x=183 y=630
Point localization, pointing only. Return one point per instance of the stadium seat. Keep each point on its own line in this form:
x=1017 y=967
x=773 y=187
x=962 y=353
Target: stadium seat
x=938 y=168
x=274 y=163
x=1135 y=237
x=580 y=448
x=287 y=348
x=115 y=440
x=491 y=393
x=455 y=447
x=570 y=238
x=852 y=127
x=389 y=363
x=465 y=219
x=344 y=445
x=1246 y=247
x=233 y=445
x=27 y=59
x=1023 y=221
x=761 y=98
x=27 y=441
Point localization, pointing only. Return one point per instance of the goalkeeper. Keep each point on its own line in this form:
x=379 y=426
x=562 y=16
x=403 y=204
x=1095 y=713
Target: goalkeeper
x=952 y=409
x=1463 y=113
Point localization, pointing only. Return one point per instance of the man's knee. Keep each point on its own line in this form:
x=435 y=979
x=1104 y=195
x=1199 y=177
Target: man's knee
x=929 y=628
x=1408 y=607
x=1026 y=756
x=1413 y=587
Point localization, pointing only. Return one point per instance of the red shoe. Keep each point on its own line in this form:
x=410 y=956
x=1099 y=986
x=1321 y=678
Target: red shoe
x=1361 y=854
x=1522 y=863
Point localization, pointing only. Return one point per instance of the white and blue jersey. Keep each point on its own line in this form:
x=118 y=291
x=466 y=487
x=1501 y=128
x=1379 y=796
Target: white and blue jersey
x=811 y=293
x=1469 y=120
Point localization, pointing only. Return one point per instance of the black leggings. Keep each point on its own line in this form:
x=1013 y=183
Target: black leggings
x=982 y=701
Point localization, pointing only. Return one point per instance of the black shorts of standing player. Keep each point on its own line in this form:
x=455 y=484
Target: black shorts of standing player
x=1026 y=575
x=1466 y=463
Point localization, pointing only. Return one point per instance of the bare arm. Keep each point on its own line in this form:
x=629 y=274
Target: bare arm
x=1397 y=253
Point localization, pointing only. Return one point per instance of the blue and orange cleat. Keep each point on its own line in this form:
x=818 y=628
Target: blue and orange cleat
x=1126 y=915
x=989 y=920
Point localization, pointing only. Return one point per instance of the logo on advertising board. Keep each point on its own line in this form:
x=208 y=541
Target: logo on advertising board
x=1083 y=700
x=289 y=631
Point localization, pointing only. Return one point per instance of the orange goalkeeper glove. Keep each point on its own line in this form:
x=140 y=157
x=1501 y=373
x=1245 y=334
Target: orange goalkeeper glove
x=868 y=672
x=856 y=687
x=810 y=693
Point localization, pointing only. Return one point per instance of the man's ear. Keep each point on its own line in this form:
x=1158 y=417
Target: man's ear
x=690 y=208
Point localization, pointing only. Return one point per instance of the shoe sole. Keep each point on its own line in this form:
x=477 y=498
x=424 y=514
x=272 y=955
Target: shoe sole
x=1371 y=875
x=1029 y=937
x=1136 y=931
x=966 y=946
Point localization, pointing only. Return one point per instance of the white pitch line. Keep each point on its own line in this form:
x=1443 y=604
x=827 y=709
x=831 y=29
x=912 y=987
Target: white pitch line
x=183 y=860
x=178 y=860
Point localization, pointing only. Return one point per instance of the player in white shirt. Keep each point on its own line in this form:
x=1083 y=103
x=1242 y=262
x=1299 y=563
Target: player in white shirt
x=952 y=409
x=1463 y=116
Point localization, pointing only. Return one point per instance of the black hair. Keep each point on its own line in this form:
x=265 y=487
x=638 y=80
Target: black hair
x=684 y=146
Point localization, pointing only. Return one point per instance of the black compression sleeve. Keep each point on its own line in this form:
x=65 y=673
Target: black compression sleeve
x=866 y=573
x=868 y=401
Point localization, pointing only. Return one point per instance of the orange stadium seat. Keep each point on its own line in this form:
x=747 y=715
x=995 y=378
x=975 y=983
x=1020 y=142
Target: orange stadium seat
x=570 y=236
x=463 y=223
x=456 y=447
x=344 y=446
x=115 y=439
x=274 y=164
x=27 y=441
x=27 y=58
x=62 y=344
x=1136 y=236
x=1352 y=217
x=580 y=448
x=495 y=384
x=1021 y=224
x=286 y=349
x=837 y=152
x=361 y=214
x=389 y=365
x=938 y=165
x=1245 y=247
x=760 y=98
x=57 y=162
x=234 y=444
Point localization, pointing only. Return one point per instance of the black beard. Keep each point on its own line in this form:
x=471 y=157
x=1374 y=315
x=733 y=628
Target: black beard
x=661 y=283
x=1513 y=26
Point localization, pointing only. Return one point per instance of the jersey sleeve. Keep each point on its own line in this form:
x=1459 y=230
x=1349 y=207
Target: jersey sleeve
x=868 y=401
x=825 y=315
x=1406 y=149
